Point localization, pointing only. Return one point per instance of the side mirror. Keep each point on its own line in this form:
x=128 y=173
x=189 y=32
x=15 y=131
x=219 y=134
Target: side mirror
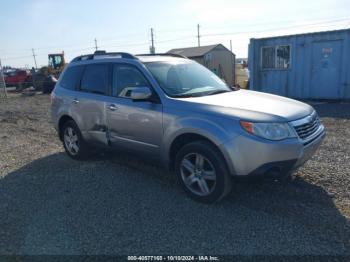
x=140 y=93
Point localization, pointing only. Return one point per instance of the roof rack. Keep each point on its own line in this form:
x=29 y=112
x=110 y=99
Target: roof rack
x=163 y=54
x=103 y=54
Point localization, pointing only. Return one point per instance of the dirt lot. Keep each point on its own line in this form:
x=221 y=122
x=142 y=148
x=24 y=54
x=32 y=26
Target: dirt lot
x=113 y=204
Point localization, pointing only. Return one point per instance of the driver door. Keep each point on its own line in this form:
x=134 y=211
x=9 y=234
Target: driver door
x=134 y=125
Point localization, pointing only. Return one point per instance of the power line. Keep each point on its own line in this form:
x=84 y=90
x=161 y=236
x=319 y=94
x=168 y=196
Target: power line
x=279 y=22
x=122 y=36
x=275 y=29
x=17 y=57
x=175 y=39
x=126 y=44
x=199 y=36
x=238 y=32
x=167 y=30
x=86 y=43
x=173 y=30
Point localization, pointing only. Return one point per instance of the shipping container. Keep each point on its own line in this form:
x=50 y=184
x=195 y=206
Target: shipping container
x=305 y=66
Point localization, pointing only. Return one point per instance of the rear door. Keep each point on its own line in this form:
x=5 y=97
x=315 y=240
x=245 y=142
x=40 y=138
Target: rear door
x=135 y=125
x=89 y=103
x=65 y=92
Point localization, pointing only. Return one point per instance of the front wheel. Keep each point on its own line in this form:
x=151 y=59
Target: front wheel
x=202 y=172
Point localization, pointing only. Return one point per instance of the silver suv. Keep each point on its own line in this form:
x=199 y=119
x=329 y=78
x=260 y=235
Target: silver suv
x=171 y=108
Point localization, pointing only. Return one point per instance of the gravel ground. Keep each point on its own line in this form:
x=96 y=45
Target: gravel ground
x=119 y=204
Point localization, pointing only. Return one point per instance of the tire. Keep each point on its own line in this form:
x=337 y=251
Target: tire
x=48 y=86
x=209 y=165
x=46 y=90
x=73 y=142
x=20 y=87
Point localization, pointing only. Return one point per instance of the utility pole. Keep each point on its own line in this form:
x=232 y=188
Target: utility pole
x=152 y=48
x=198 y=36
x=36 y=67
x=233 y=69
x=2 y=80
x=96 y=47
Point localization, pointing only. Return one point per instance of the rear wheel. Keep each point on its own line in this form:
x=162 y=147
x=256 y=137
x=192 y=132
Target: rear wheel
x=202 y=172
x=46 y=89
x=73 y=142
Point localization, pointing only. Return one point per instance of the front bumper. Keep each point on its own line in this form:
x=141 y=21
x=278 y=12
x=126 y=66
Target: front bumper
x=250 y=155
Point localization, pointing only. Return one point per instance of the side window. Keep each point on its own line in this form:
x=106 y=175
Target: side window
x=95 y=79
x=275 y=57
x=268 y=57
x=71 y=77
x=125 y=78
x=282 y=56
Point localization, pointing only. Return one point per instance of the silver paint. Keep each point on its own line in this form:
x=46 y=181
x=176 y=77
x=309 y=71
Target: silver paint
x=151 y=128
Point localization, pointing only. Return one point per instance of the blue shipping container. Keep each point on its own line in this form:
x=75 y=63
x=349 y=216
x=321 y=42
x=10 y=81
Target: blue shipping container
x=304 y=66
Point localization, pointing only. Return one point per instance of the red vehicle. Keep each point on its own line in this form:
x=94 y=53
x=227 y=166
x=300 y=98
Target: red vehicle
x=18 y=78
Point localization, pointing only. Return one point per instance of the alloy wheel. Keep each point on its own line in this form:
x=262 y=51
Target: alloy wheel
x=71 y=140
x=198 y=174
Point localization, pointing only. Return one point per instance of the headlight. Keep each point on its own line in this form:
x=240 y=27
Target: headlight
x=271 y=131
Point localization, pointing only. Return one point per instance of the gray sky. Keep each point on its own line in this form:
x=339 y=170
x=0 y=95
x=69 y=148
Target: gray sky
x=71 y=26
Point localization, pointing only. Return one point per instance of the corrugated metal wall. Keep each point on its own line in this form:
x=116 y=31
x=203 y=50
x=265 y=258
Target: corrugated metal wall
x=319 y=66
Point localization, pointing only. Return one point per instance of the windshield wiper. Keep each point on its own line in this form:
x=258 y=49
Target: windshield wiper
x=185 y=95
x=96 y=92
x=218 y=92
x=201 y=94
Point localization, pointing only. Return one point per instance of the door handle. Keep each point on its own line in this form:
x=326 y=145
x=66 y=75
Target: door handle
x=112 y=107
x=75 y=101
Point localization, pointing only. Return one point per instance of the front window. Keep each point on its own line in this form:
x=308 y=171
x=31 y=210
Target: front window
x=186 y=79
x=125 y=79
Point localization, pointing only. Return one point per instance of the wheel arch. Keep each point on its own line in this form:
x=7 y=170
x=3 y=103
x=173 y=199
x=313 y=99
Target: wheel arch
x=182 y=139
x=63 y=119
x=189 y=128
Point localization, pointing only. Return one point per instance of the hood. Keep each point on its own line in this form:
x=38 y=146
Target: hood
x=256 y=102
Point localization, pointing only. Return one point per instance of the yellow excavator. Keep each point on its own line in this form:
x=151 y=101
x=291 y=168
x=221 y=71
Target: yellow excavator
x=56 y=64
x=45 y=79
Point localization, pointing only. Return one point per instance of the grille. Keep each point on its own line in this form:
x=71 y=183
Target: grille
x=307 y=129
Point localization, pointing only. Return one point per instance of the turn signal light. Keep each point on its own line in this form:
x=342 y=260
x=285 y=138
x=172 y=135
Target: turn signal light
x=247 y=126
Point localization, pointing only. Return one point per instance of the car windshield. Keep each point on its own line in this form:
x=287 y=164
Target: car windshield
x=186 y=79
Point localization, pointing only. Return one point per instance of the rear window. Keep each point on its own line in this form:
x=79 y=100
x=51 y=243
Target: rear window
x=71 y=77
x=95 y=79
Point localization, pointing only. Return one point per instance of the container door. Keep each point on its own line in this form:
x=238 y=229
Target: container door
x=326 y=69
